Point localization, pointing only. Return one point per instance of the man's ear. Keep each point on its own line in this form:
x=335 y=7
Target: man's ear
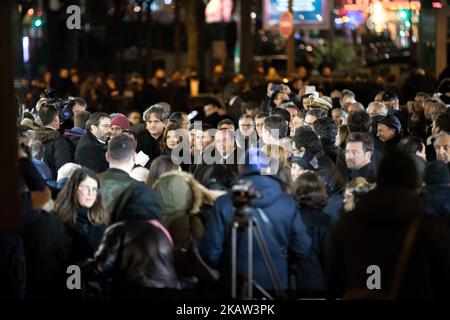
x=107 y=156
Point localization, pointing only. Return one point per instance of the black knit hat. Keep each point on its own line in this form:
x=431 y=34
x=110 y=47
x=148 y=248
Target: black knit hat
x=392 y=122
x=436 y=173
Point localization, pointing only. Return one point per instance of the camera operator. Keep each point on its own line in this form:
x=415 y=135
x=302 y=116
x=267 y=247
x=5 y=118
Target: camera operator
x=75 y=105
x=57 y=151
x=283 y=231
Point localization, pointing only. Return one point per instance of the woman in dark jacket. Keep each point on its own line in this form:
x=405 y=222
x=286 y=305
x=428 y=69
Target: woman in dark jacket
x=135 y=256
x=79 y=207
x=175 y=137
x=311 y=196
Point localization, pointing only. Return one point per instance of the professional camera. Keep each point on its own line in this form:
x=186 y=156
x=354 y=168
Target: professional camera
x=59 y=104
x=243 y=193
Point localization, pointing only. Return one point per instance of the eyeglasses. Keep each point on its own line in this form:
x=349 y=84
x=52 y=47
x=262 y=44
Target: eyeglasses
x=116 y=129
x=247 y=126
x=104 y=125
x=87 y=189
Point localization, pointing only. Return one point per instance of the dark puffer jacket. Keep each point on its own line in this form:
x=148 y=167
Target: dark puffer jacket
x=134 y=254
x=325 y=169
x=57 y=151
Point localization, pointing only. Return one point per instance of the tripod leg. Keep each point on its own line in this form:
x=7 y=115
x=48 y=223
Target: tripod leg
x=250 y=262
x=267 y=258
x=234 y=228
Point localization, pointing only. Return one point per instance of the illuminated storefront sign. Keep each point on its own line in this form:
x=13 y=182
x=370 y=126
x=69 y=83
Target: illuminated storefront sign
x=306 y=12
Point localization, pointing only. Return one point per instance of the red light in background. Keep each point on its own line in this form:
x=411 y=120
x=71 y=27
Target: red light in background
x=39 y=14
x=436 y=5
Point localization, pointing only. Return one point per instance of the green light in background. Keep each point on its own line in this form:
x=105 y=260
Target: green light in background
x=37 y=23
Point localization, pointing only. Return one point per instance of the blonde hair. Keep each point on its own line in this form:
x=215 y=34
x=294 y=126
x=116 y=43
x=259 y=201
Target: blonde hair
x=354 y=190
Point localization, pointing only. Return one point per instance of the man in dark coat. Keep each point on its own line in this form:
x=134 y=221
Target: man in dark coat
x=234 y=103
x=281 y=226
x=156 y=119
x=92 y=146
x=57 y=151
x=74 y=134
x=358 y=157
x=120 y=192
x=389 y=132
x=374 y=235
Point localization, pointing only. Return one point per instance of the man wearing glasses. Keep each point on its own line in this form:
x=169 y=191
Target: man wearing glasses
x=92 y=147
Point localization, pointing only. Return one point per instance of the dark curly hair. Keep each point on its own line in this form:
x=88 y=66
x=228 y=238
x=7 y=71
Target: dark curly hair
x=310 y=192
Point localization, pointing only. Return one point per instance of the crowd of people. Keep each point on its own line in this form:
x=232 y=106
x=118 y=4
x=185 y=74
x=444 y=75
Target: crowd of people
x=143 y=202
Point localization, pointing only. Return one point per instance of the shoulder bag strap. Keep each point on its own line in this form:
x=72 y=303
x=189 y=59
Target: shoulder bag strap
x=274 y=231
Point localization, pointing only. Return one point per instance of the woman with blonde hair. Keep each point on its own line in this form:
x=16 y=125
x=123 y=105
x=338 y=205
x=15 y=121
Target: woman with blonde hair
x=79 y=208
x=277 y=153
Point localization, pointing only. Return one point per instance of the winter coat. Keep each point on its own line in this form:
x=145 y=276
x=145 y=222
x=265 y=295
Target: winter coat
x=325 y=169
x=374 y=233
x=149 y=145
x=123 y=196
x=90 y=153
x=86 y=236
x=436 y=200
x=367 y=172
x=57 y=150
x=73 y=136
x=181 y=196
x=311 y=270
x=134 y=254
x=284 y=215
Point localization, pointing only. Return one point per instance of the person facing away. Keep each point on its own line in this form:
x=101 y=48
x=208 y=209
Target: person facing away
x=57 y=150
x=373 y=234
x=311 y=196
x=120 y=192
x=276 y=213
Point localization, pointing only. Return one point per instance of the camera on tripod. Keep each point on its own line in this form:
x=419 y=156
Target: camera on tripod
x=59 y=104
x=243 y=193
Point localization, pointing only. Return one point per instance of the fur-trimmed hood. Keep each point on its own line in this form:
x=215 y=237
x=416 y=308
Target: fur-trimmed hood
x=179 y=192
x=46 y=134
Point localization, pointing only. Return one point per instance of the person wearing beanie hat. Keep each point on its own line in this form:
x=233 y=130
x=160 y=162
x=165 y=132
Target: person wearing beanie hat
x=118 y=124
x=436 y=193
x=389 y=132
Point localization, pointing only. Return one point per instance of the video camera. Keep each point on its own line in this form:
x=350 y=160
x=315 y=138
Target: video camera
x=59 y=104
x=243 y=193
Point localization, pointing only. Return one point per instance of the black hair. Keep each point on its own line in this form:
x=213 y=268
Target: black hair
x=121 y=148
x=276 y=123
x=359 y=121
x=306 y=138
x=411 y=144
x=365 y=138
x=282 y=113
